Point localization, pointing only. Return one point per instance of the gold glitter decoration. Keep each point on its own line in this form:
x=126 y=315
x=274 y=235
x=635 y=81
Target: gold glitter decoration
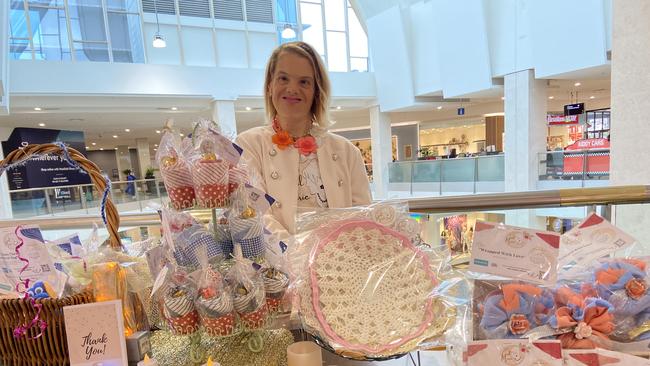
x=248 y=213
x=168 y=161
x=171 y=350
x=209 y=157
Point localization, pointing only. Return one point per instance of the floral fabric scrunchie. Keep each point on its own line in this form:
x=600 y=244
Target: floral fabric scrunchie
x=515 y=310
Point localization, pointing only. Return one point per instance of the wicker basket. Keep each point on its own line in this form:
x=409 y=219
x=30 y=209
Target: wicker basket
x=51 y=347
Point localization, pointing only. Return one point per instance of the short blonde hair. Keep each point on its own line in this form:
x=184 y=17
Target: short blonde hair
x=320 y=105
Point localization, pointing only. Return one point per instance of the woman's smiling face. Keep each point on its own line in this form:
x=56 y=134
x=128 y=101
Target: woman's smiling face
x=292 y=88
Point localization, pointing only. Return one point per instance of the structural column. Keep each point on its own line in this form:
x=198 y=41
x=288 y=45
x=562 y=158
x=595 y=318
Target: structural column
x=630 y=110
x=223 y=113
x=525 y=139
x=123 y=160
x=144 y=157
x=380 y=134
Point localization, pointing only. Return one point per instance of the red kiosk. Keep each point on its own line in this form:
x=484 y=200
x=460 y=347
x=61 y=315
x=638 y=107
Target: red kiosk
x=589 y=155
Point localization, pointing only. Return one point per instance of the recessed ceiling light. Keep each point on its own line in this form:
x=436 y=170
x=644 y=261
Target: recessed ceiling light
x=551 y=97
x=156 y=145
x=38 y=108
x=157 y=131
x=248 y=108
x=101 y=148
x=42 y=124
x=592 y=97
x=93 y=143
x=174 y=108
x=503 y=98
x=87 y=147
x=114 y=136
x=155 y=149
x=338 y=107
x=182 y=135
x=127 y=130
x=439 y=107
x=115 y=148
x=577 y=84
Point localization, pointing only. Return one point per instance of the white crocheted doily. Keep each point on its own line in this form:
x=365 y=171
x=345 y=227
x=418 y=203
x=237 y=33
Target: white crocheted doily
x=371 y=290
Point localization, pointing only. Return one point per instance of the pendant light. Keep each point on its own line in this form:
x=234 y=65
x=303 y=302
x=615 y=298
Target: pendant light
x=158 y=39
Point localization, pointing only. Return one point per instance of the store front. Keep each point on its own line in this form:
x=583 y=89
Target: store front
x=577 y=146
x=459 y=139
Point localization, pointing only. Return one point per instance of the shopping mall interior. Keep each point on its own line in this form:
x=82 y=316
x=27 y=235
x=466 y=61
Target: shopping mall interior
x=514 y=105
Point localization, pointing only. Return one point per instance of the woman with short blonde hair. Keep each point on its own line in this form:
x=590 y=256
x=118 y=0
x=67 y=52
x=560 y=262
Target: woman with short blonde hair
x=297 y=161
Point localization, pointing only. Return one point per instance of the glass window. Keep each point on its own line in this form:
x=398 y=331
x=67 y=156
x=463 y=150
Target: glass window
x=334 y=15
x=286 y=11
x=358 y=64
x=19 y=49
x=337 y=58
x=49 y=34
x=91 y=51
x=126 y=37
x=87 y=20
x=17 y=20
x=358 y=38
x=49 y=3
x=130 y=6
x=312 y=26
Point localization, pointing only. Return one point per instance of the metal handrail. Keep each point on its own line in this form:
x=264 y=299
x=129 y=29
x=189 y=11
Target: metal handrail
x=566 y=197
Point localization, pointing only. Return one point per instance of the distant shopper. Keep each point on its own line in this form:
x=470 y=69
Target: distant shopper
x=130 y=187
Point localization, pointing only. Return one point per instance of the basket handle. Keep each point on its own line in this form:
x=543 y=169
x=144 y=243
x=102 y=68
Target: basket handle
x=27 y=152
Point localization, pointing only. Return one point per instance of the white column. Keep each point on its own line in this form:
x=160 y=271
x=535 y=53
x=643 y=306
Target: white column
x=380 y=135
x=223 y=112
x=4 y=57
x=525 y=139
x=630 y=109
x=5 y=198
x=123 y=160
x=144 y=157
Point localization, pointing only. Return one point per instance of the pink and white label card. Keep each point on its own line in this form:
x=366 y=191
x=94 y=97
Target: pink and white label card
x=601 y=357
x=95 y=334
x=594 y=238
x=515 y=252
x=514 y=352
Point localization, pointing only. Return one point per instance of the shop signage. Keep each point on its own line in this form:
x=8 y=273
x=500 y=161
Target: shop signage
x=461 y=111
x=44 y=171
x=588 y=144
x=554 y=119
x=573 y=109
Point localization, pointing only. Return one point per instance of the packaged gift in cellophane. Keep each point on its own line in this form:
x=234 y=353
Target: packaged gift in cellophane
x=188 y=239
x=214 y=301
x=175 y=169
x=211 y=163
x=245 y=221
x=249 y=297
x=174 y=291
x=368 y=287
x=275 y=272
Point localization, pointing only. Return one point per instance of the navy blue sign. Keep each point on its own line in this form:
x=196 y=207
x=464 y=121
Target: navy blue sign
x=44 y=171
x=461 y=111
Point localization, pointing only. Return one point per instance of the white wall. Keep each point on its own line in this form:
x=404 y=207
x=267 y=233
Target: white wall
x=98 y=78
x=390 y=59
x=463 y=46
x=424 y=50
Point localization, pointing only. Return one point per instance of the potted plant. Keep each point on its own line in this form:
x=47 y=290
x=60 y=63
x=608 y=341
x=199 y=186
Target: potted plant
x=151 y=184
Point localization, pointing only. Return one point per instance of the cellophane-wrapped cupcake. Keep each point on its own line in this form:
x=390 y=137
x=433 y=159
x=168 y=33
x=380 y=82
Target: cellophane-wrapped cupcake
x=250 y=304
x=216 y=308
x=247 y=231
x=237 y=176
x=275 y=286
x=179 y=310
x=175 y=172
x=210 y=175
x=223 y=237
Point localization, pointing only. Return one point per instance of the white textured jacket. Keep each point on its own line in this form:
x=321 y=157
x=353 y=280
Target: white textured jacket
x=341 y=168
